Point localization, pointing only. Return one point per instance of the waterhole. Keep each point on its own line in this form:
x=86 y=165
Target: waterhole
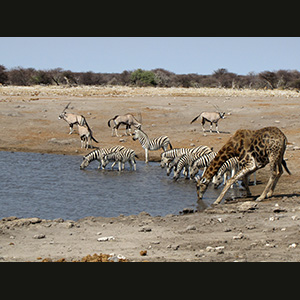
x=52 y=186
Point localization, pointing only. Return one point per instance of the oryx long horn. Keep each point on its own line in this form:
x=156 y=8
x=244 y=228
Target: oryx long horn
x=216 y=107
x=66 y=106
x=140 y=117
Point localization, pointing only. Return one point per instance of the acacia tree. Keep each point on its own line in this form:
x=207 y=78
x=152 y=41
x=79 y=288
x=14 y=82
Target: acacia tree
x=269 y=77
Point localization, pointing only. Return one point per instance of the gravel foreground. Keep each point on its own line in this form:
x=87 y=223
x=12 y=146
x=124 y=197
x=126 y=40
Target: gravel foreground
x=244 y=231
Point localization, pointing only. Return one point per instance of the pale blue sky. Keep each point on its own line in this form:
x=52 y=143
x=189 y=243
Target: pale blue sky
x=180 y=55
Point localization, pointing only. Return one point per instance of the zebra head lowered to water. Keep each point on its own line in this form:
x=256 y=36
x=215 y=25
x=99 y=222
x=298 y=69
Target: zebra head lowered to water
x=151 y=144
x=98 y=154
x=127 y=120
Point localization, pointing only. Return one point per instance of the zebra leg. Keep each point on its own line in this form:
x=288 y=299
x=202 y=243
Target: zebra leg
x=100 y=165
x=133 y=163
x=187 y=175
x=210 y=127
x=146 y=156
x=113 y=164
x=245 y=180
x=231 y=175
x=130 y=163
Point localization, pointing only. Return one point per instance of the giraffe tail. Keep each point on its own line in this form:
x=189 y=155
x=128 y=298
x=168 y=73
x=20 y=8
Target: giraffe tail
x=285 y=167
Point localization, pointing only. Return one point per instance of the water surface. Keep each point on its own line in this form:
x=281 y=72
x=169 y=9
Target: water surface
x=52 y=186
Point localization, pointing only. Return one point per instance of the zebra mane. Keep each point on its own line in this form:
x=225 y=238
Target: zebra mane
x=92 y=155
x=143 y=132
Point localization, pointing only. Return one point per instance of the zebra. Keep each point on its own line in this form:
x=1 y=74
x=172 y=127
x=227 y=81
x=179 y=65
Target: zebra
x=172 y=164
x=98 y=154
x=212 y=117
x=168 y=156
x=121 y=157
x=187 y=160
x=86 y=136
x=151 y=144
x=201 y=163
x=229 y=166
x=127 y=120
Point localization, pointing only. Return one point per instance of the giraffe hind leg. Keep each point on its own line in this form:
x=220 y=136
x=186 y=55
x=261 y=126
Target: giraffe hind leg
x=279 y=173
x=268 y=191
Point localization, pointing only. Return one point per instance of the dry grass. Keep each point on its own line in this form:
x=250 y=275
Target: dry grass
x=125 y=91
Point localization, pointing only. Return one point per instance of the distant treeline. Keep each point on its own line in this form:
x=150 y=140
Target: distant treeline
x=221 y=78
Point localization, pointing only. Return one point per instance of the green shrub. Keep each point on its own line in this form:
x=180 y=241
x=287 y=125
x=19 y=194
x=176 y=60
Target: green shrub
x=143 y=78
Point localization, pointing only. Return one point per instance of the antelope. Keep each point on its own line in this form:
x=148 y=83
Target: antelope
x=86 y=136
x=211 y=117
x=72 y=119
x=127 y=120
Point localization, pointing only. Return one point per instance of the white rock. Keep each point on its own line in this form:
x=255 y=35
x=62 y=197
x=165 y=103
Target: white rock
x=294 y=245
x=239 y=236
x=106 y=238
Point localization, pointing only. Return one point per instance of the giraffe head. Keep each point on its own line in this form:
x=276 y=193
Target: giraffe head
x=202 y=185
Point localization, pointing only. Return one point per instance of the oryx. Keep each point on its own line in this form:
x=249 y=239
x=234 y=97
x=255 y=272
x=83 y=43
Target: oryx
x=86 y=136
x=72 y=119
x=212 y=117
x=127 y=120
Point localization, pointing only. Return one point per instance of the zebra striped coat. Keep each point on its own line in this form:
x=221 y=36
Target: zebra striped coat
x=168 y=156
x=98 y=154
x=201 y=163
x=151 y=144
x=121 y=157
x=187 y=161
x=231 y=165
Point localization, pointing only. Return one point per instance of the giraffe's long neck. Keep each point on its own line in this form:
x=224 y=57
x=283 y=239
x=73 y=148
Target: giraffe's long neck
x=225 y=153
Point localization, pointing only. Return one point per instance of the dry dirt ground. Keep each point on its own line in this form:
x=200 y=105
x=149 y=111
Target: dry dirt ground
x=240 y=231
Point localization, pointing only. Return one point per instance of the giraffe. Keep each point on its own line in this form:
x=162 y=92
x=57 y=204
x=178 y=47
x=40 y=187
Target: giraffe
x=254 y=149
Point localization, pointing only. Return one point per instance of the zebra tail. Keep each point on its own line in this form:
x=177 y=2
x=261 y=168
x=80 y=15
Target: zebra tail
x=285 y=167
x=195 y=119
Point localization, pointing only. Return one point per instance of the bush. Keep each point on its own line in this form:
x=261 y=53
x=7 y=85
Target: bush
x=143 y=78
